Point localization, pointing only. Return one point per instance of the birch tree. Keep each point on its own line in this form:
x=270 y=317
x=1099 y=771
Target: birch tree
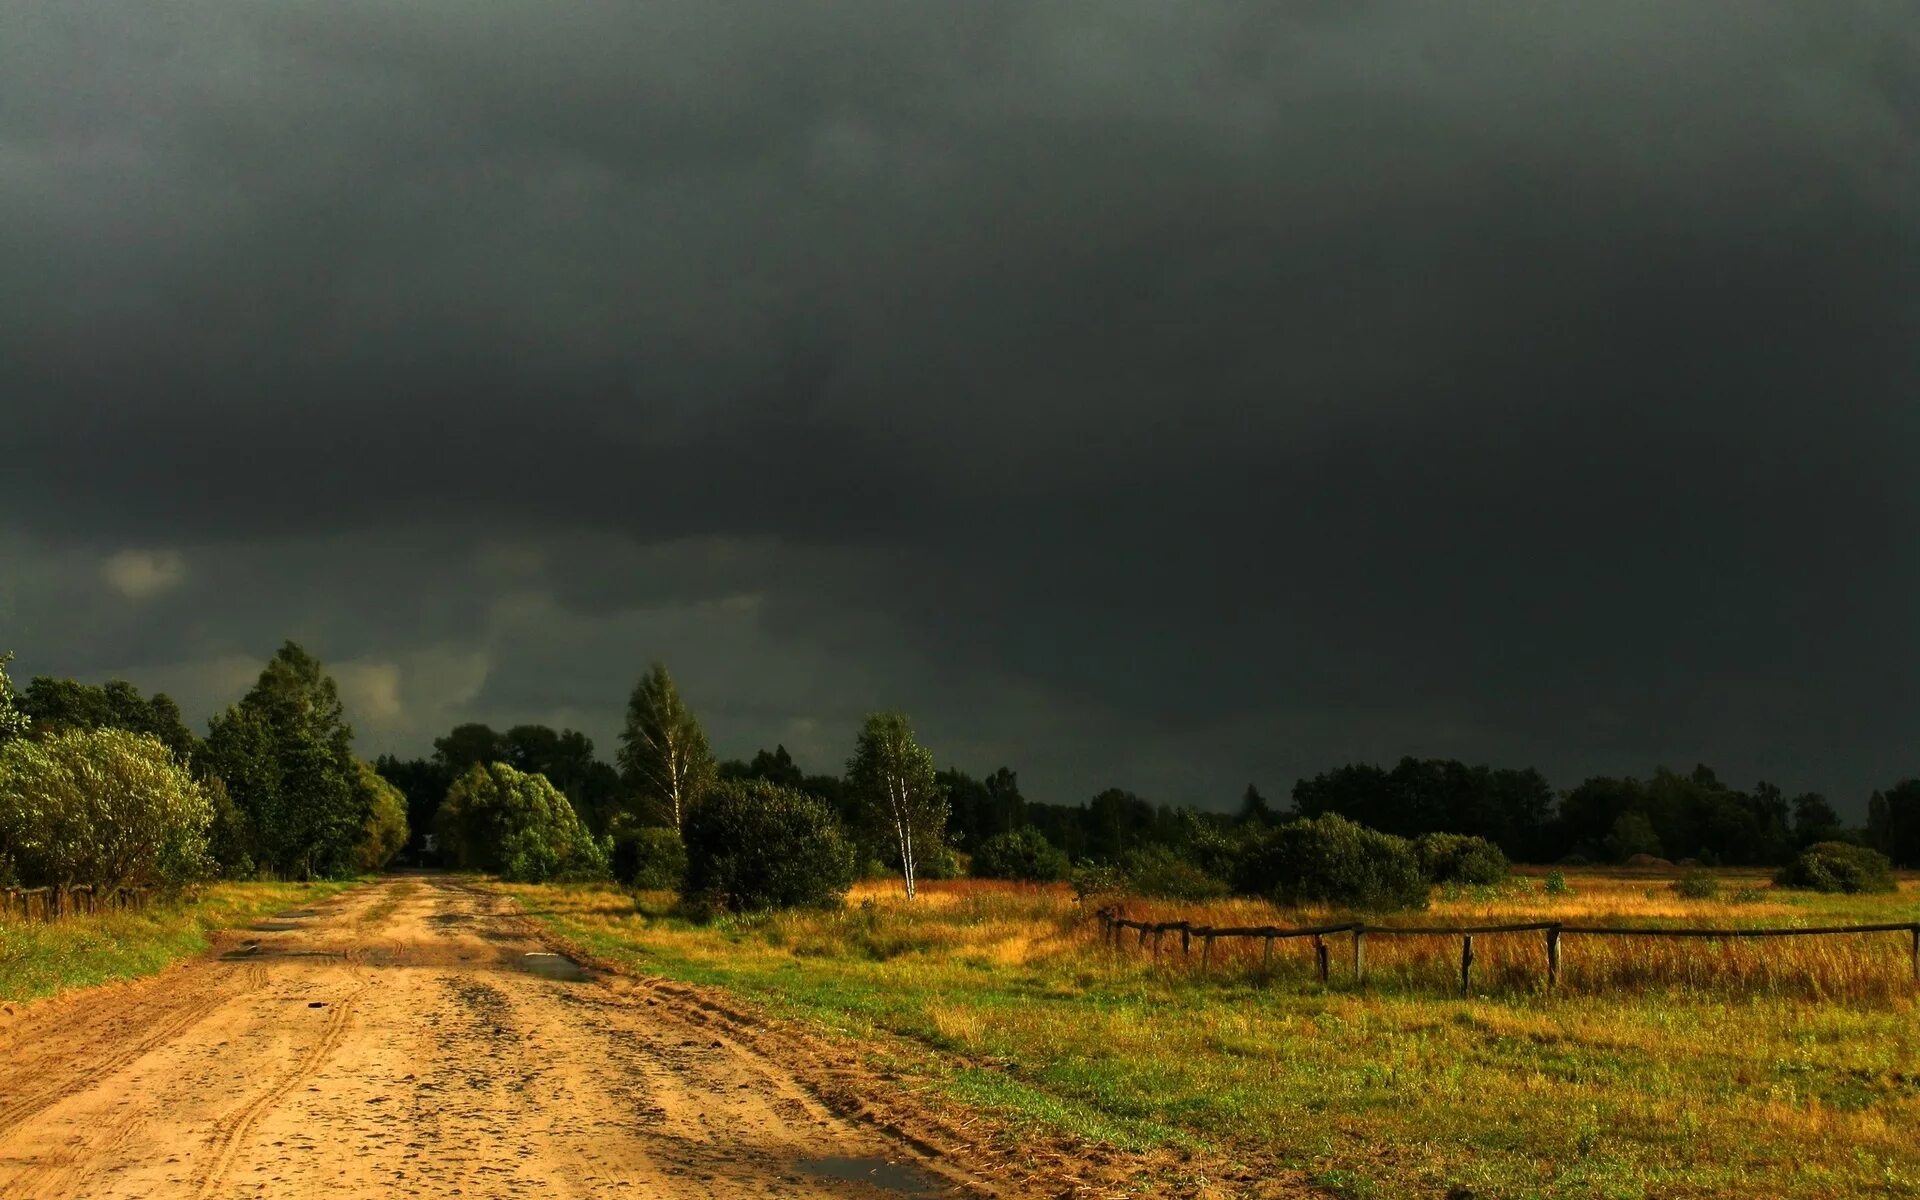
x=664 y=758
x=893 y=778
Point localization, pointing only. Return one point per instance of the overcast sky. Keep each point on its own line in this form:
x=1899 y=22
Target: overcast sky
x=1143 y=394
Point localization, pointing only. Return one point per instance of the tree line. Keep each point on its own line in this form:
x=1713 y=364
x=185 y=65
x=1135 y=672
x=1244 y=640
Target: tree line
x=274 y=788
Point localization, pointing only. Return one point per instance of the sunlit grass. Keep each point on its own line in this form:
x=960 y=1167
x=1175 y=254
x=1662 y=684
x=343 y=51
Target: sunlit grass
x=1781 y=1067
x=42 y=958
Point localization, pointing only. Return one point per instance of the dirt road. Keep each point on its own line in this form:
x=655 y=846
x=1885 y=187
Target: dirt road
x=410 y=1038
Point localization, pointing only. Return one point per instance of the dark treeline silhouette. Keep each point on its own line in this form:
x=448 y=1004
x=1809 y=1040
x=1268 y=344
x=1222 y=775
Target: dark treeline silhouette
x=287 y=796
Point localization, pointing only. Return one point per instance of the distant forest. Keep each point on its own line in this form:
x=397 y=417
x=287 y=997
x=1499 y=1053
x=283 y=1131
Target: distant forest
x=286 y=798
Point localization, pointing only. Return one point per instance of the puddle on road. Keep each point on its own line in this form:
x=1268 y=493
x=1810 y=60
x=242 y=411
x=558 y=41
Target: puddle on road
x=555 y=966
x=293 y=913
x=877 y=1172
x=275 y=926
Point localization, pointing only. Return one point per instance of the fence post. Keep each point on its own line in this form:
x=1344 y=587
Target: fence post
x=1553 y=957
x=1186 y=940
x=1466 y=965
x=1206 y=950
x=1156 y=942
x=1359 y=953
x=1320 y=955
x=1916 y=951
x=1266 y=954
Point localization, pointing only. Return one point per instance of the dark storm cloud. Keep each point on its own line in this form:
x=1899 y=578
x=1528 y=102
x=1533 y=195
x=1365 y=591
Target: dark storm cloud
x=1145 y=393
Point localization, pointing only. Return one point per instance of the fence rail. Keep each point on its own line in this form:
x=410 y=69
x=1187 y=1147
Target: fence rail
x=1112 y=924
x=52 y=903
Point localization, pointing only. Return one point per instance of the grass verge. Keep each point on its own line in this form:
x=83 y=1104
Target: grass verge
x=1799 y=1080
x=40 y=959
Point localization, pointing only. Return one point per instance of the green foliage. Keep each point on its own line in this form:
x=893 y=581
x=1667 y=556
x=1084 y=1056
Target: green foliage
x=1097 y=881
x=1697 y=885
x=14 y=721
x=1163 y=873
x=385 y=833
x=1331 y=860
x=517 y=826
x=1556 y=884
x=754 y=845
x=56 y=704
x=230 y=837
x=651 y=858
x=664 y=759
x=286 y=753
x=1632 y=834
x=893 y=778
x=1838 y=867
x=1023 y=854
x=103 y=807
x=1459 y=858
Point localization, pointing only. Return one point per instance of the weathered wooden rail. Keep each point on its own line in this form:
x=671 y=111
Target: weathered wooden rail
x=52 y=903
x=1112 y=925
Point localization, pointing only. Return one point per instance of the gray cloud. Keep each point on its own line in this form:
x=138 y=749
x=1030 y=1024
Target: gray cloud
x=1157 y=395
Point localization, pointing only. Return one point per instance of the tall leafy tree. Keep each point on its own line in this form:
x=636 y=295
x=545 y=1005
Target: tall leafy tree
x=664 y=758
x=14 y=721
x=286 y=753
x=57 y=704
x=893 y=777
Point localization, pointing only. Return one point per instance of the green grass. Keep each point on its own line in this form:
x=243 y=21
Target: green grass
x=1808 y=1086
x=44 y=958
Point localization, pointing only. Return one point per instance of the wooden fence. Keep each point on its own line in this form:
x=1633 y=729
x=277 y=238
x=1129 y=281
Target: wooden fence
x=51 y=903
x=1113 y=925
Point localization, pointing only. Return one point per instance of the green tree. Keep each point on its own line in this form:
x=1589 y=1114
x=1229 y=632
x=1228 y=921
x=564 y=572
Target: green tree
x=286 y=754
x=518 y=826
x=1632 y=834
x=385 y=833
x=664 y=758
x=754 y=845
x=893 y=777
x=14 y=722
x=1023 y=854
x=56 y=704
x=101 y=806
x=1331 y=860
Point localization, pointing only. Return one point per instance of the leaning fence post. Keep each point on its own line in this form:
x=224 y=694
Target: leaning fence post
x=1206 y=950
x=1916 y=951
x=1266 y=954
x=1466 y=965
x=1553 y=956
x=1359 y=953
x=1186 y=940
x=1320 y=955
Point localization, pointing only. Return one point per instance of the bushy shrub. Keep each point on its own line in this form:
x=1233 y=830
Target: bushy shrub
x=1164 y=874
x=1095 y=883
x=104 y=807
x=1331 y=860
x=651 y=858
x=1838 y=867
x=1460 y=858
x=1024 y=853
x=1697 y=884
x=755 y=845
x=1556 y=884
x=517 y=826
x=385 y=833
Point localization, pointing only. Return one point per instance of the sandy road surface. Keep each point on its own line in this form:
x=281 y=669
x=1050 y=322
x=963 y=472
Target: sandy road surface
x=396 y=1041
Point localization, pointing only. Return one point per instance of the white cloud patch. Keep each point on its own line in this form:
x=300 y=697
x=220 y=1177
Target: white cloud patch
x=143 y=574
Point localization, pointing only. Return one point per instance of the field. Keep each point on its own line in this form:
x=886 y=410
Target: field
x=1786 y=1067
x=40 y=959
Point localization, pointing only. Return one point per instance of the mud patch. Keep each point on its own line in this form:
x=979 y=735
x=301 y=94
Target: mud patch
x=898 y=1178
x=548 y=965
x=273 y=926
